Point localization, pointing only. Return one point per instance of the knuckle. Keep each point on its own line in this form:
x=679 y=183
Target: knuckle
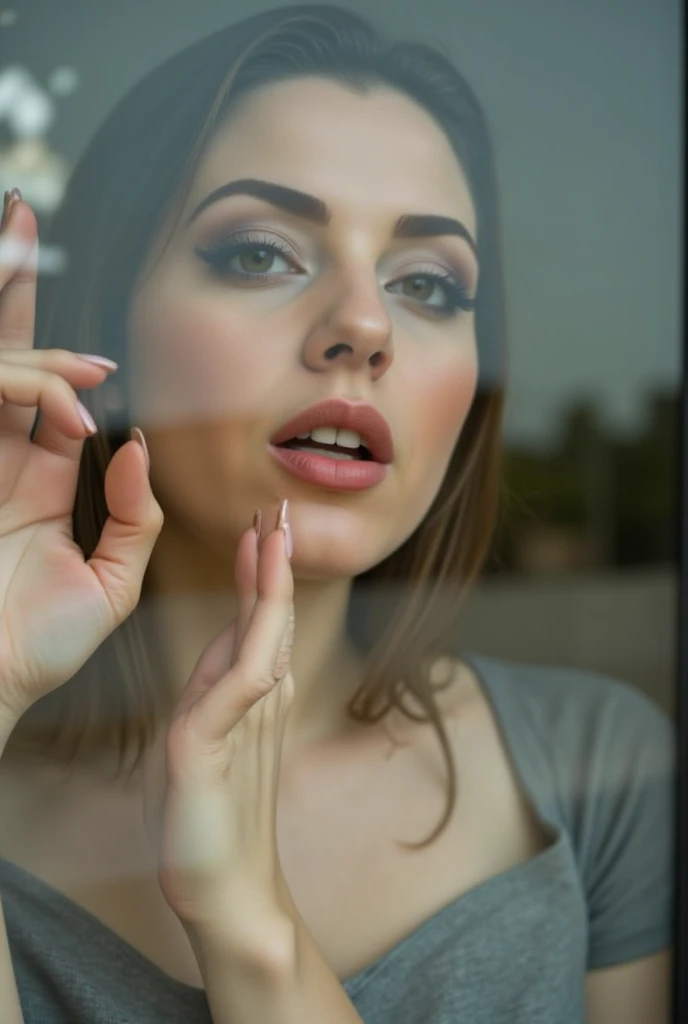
x=251 y=685
x=56 y=386
x=63 y=357
x=281 y=666
x=263 y=684
x=289 y=631
x=19 y=332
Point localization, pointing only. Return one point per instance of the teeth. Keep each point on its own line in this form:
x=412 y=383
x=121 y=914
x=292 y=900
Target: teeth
x=325 y=454
x=333 y=435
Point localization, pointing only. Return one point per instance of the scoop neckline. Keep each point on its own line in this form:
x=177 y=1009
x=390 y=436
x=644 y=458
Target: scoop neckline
x=491 y=886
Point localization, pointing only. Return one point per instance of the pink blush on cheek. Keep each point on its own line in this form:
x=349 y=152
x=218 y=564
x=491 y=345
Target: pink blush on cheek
x=192 y=364
x=441 y=408
x=434 y=418
x=445 y=402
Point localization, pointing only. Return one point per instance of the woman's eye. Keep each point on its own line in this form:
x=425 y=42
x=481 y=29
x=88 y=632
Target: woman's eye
x=422 y=288
x=440 y=293
x=247 y=259
x=258 y=261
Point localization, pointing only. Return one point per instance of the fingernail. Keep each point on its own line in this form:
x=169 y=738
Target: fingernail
x=136 y=434
x=108 y=364
x=10 y=198
x=86 y=418
x=283 y=524
x=257 y=517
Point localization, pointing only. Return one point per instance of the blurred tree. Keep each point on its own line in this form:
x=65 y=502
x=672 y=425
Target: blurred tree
x=613 y=500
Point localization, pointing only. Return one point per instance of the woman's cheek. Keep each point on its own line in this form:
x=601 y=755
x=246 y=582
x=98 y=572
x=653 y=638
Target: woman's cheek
x=443 y=401
x=191 y=361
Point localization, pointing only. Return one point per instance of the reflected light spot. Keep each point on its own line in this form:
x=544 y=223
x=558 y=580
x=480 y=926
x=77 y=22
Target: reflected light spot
x=63 y=81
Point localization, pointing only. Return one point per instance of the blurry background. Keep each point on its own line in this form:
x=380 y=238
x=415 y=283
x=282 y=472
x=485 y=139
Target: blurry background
x=584 y=100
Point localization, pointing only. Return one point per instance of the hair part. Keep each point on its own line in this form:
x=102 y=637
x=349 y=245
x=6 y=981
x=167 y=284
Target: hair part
x=403 y=612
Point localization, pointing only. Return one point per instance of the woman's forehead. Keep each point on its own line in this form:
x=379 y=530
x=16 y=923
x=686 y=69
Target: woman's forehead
x=366 y=152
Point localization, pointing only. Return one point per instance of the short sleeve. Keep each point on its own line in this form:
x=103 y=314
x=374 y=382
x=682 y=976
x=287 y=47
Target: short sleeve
x=629 y=828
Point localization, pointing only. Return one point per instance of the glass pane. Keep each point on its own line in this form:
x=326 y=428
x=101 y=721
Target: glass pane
x=417 y=747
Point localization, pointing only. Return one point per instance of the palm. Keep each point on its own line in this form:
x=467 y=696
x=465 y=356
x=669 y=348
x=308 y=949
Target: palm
x=47 y=591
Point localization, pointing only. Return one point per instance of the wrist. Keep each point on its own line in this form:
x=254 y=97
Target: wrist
x=264 y=949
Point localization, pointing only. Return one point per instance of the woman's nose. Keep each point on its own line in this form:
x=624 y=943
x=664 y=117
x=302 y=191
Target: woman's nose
x=354 y=330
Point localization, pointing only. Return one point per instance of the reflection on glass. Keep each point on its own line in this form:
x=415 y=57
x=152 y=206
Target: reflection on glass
x=268 y=753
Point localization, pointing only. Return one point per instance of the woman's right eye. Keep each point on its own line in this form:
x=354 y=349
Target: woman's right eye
x=246 y=258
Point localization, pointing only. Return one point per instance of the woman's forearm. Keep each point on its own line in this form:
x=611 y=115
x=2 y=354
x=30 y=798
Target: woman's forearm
x=10 y=1007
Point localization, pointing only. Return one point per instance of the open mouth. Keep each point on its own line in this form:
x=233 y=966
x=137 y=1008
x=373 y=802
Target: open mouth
x=336 y=451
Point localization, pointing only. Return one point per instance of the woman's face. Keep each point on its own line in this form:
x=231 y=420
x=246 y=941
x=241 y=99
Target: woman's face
x=226 y=346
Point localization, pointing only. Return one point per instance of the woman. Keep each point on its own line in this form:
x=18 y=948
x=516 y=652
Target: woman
x=289 y=213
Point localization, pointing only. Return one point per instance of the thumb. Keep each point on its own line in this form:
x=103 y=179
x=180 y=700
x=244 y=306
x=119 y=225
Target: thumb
x=130 y=531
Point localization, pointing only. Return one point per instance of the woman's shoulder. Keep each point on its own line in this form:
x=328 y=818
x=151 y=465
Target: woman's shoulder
x=590 y=750
x=598 y=758
x=591 y=708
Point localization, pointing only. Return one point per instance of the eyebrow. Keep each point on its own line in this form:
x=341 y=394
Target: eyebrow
x=310 y=208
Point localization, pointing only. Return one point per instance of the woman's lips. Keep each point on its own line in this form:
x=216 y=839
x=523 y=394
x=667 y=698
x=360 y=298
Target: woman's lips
x=358 y=416
x=334 y=474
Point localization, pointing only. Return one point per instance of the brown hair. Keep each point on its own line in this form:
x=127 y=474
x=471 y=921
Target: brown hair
x=404 y=611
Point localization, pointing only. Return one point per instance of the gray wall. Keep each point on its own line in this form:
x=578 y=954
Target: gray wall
x=620 y=624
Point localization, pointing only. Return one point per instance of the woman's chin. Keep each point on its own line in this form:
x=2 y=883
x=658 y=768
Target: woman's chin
x=339 y=560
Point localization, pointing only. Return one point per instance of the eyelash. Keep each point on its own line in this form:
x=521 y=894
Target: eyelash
x=219 y=255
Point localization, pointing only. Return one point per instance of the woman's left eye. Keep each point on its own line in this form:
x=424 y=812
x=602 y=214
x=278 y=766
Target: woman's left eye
x=429 y=289
x=248 y=258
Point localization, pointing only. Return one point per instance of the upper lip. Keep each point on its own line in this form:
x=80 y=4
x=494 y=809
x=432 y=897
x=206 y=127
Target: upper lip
x=337 y=412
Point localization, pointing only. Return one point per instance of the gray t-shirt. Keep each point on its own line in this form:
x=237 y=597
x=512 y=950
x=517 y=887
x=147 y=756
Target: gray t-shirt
x=596 y=759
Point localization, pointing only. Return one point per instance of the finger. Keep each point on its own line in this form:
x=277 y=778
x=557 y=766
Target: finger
x=245 y=578
x=130 y=531
x=269 y=718
x=221 y=654
x=267 y=644
x=18 y=266
x=76 y=371
x=76 y=365
x=51 y=394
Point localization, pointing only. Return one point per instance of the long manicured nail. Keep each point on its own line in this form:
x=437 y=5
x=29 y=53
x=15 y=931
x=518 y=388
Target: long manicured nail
x=11 y=197
x=107 y=364
x=257 y=517
x=284 y=526
x=136 y=434
x=86 y=418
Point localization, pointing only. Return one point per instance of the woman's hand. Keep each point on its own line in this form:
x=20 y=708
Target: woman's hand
x=214 y=832
x=55 y=607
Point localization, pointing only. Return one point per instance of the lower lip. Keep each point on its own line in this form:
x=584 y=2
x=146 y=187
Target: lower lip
x=337 y=474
